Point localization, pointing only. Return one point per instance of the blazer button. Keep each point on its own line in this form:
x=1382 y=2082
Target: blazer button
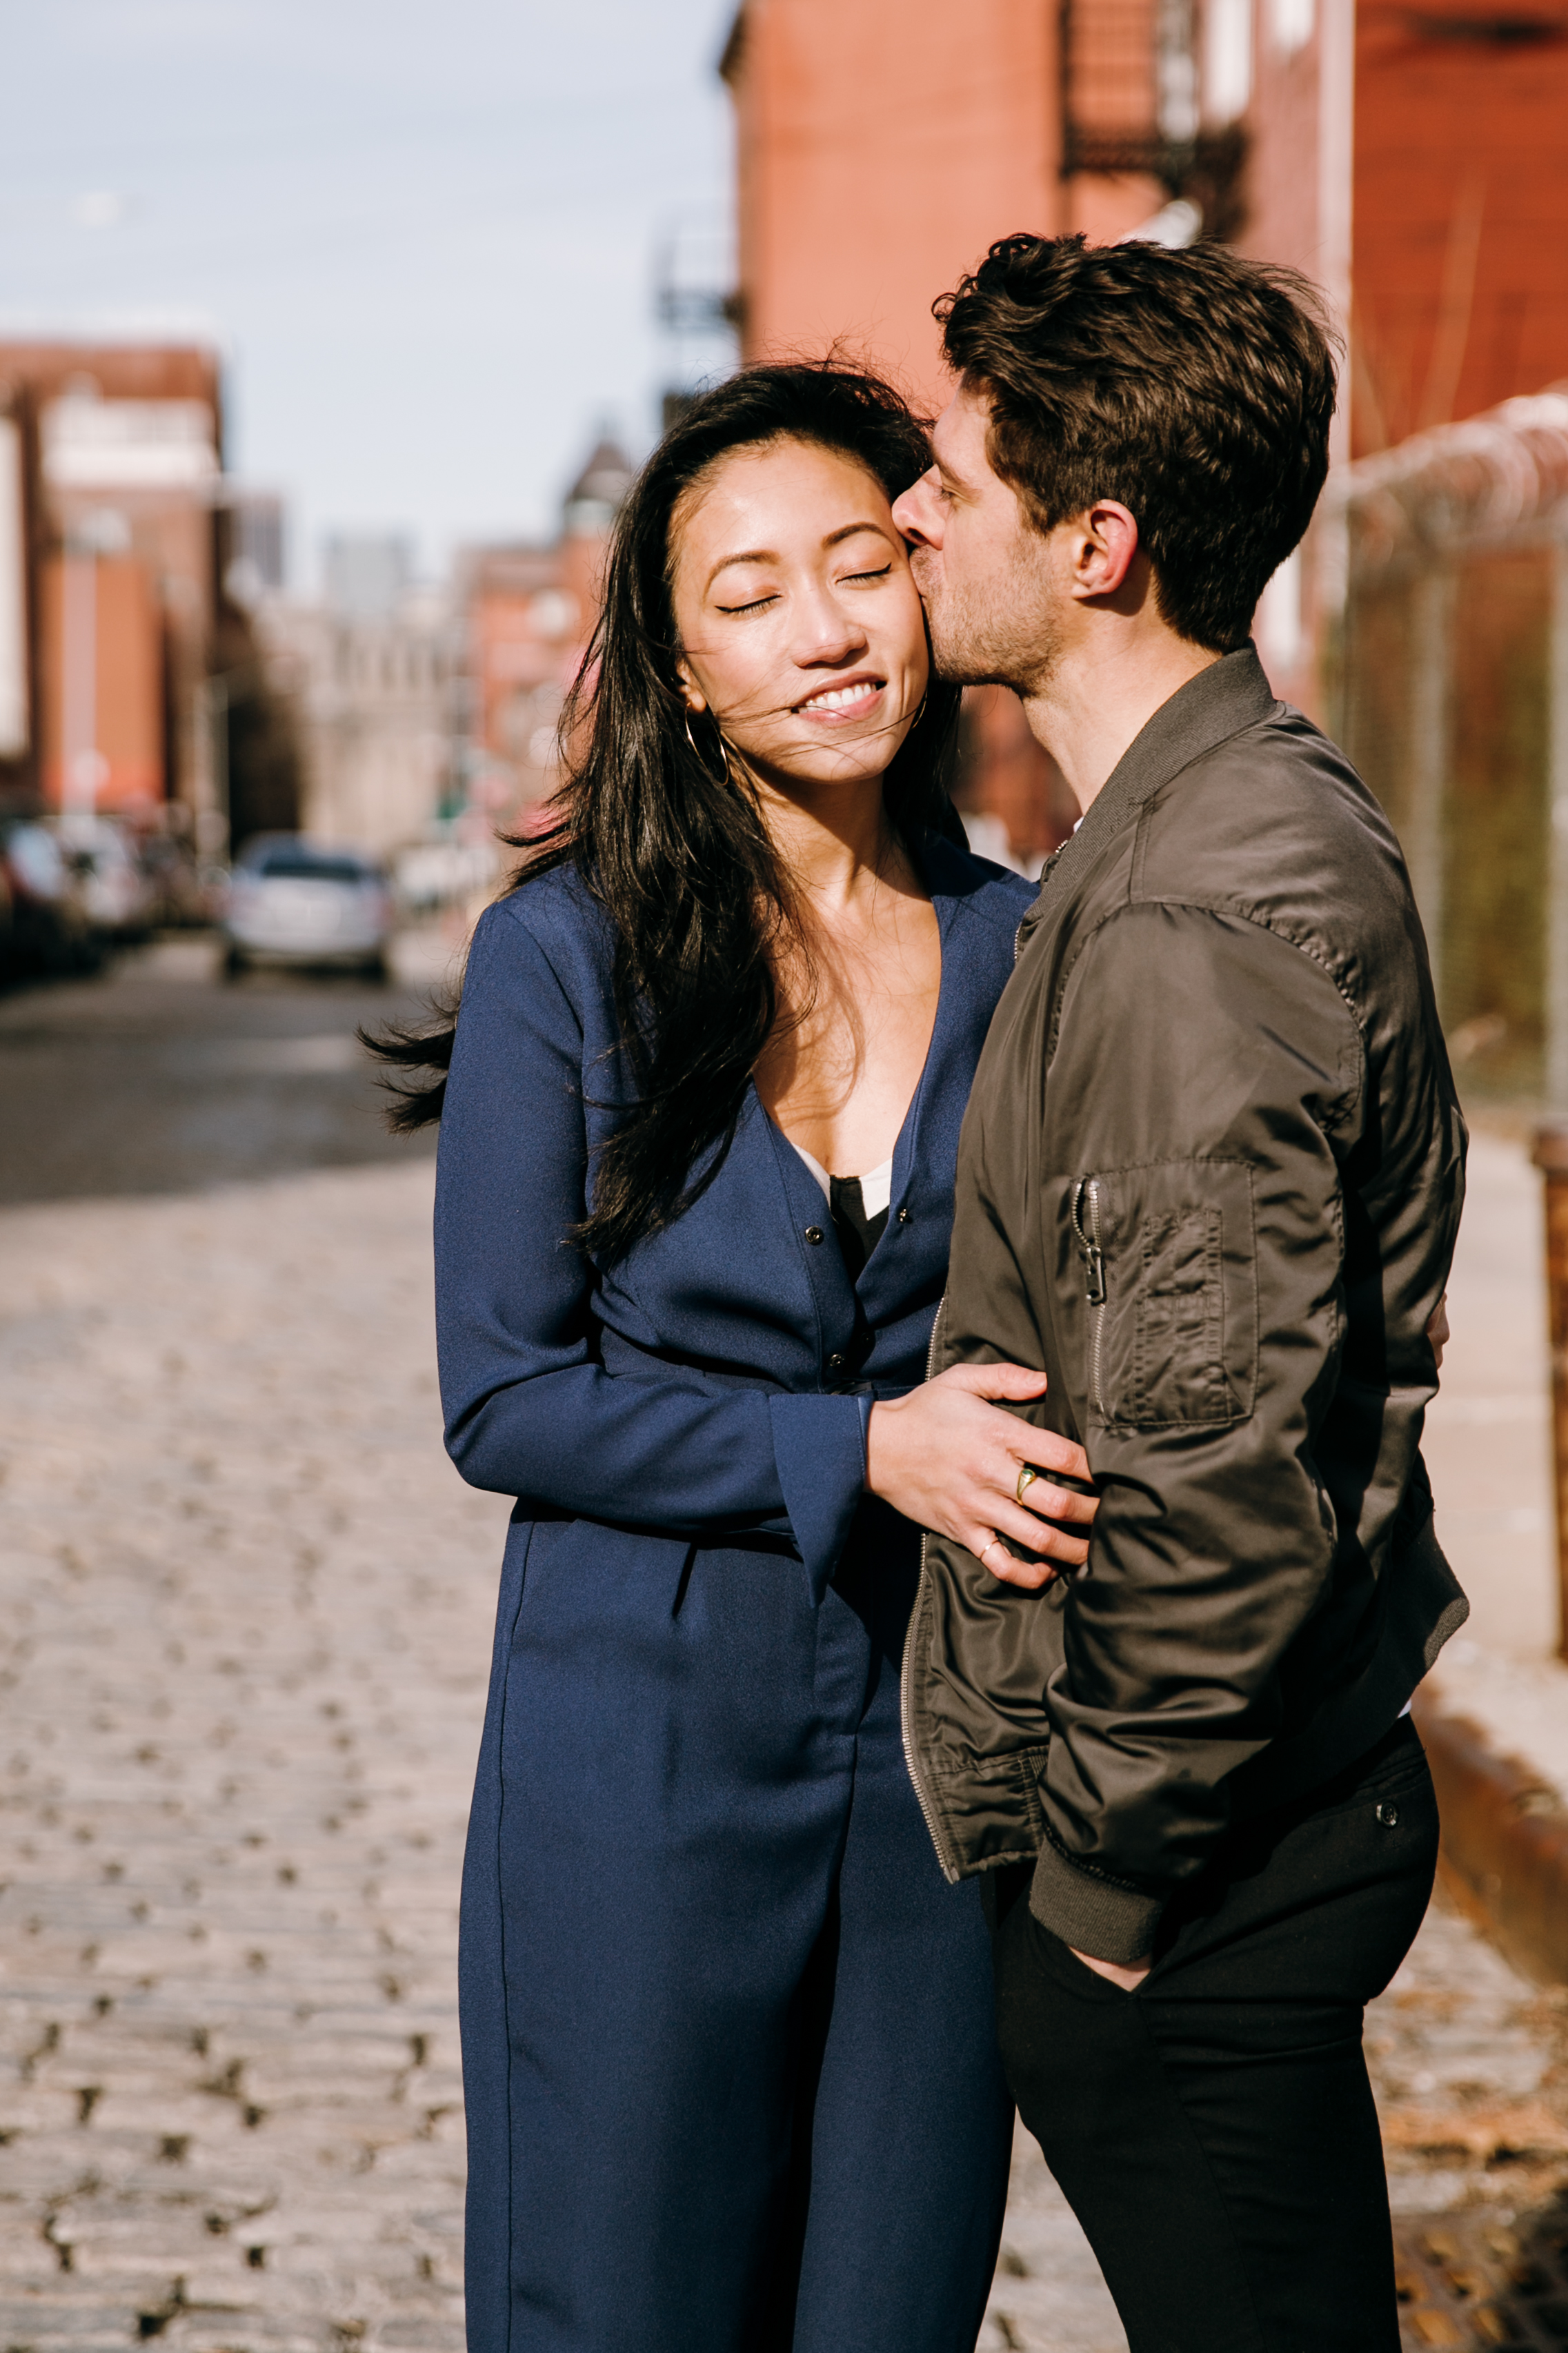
x=814 y=1233
x=835 y=1363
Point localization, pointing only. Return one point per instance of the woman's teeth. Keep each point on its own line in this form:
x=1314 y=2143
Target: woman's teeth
x=839 y=697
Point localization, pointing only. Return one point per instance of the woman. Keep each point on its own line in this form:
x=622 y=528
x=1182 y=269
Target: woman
x=728 y=2041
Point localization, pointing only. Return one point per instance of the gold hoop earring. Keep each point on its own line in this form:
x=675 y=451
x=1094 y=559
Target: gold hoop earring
x=725 y=777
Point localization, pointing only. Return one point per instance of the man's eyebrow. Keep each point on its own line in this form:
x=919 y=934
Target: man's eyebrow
x=770 y=554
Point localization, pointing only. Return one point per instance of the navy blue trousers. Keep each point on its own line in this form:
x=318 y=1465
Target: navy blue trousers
x=729 y=2042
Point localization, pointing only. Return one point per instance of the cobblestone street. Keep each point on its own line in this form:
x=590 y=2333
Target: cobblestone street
x=247 y=1609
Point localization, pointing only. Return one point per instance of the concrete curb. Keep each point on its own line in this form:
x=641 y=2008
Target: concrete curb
x=1505 y=1843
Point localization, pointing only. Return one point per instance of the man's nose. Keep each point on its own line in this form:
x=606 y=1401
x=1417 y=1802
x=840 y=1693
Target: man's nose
x=908 y=514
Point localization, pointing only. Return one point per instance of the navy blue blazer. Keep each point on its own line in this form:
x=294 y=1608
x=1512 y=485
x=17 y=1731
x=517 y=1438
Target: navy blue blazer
x=716 y=1380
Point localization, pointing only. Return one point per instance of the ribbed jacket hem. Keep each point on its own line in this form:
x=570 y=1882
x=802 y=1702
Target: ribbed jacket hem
x=1093 y=1916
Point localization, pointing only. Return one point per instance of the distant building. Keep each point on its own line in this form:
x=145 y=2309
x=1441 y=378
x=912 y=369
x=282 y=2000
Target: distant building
x=524 y=633
x=529 y=612
x=18 y=581
x=110 y=463
x=593 y=501
x=422 y=717
x=372 y=700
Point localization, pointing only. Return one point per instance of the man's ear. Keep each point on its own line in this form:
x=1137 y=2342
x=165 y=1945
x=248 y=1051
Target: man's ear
x=1103 y=545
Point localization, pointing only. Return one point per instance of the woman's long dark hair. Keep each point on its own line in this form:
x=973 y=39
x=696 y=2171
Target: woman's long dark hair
x=674 y=849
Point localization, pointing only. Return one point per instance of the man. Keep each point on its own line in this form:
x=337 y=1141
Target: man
x=1210 y=1182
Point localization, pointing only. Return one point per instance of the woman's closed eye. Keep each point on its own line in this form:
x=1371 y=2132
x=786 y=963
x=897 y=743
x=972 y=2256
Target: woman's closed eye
x=848 y=580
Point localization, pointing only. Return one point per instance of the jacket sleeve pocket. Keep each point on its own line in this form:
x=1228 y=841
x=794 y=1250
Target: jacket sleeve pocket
x=1176 y=1344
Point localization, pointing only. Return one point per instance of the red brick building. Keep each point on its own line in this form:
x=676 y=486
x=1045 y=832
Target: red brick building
x=1410 y=158
x=1414 y=159
x=115 y=454
x=528 y=613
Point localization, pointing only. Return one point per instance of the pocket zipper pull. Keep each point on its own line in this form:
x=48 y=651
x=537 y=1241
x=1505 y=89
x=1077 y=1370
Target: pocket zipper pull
x=1092 y=1255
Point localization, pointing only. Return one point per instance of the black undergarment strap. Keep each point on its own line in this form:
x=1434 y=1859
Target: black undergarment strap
x=858 y=1234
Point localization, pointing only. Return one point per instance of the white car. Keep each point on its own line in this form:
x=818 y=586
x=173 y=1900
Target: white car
x=296 y=902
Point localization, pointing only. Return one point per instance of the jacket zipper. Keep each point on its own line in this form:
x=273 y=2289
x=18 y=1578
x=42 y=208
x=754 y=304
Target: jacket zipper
x=933 y=1821
x=1086 y=1227
x=906 y=1674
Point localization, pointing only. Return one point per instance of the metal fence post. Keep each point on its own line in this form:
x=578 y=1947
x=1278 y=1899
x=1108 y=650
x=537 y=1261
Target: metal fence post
x=1550 y=1153
x=1551 y=1156
x=1430 y=725
x=1556 y=1005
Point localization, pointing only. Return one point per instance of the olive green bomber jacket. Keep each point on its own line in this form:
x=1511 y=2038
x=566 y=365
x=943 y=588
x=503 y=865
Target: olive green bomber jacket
x=1210 y=1180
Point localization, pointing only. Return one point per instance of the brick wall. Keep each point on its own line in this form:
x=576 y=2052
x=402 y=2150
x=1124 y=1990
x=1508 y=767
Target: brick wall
x=881 y=148
x=1461 y=214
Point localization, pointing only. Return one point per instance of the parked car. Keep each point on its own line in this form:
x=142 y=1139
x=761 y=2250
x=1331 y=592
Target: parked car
x=44 y=927
x=295 y=901
x=112 y=887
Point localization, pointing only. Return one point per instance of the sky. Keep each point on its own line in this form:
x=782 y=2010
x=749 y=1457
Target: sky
x=424 y=236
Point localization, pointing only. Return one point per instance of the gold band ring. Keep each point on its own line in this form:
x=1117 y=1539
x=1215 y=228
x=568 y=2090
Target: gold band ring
x=1026 y=1477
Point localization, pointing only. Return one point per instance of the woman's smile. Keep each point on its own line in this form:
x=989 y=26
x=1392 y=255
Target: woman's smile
x=835 y=704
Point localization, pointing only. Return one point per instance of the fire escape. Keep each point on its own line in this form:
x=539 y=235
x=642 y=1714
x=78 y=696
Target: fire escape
x=1130 y=105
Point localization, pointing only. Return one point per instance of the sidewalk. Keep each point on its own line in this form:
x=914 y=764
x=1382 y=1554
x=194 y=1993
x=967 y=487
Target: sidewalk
x=1495 y=1712
x=1489 y=1438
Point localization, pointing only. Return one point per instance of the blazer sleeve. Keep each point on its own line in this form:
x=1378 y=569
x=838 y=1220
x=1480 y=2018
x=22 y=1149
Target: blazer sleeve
x=1209 y=1076
x=529 y=1409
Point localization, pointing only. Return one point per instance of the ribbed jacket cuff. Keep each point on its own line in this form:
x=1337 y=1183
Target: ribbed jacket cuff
x=1091 y=1914
x=819 y=1446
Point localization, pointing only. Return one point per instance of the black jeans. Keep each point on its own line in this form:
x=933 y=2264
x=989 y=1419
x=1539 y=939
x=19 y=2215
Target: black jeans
x=1215 y=2131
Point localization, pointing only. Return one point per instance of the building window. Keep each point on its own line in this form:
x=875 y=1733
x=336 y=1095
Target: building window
x=1130 y=85
x=1227 y=59
x=1292 y=23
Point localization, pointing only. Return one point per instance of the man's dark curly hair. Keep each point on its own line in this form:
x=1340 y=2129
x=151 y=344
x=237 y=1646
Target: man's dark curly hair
x=1194 y=387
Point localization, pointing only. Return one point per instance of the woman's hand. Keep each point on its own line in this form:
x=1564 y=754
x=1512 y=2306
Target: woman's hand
x=950 y=1461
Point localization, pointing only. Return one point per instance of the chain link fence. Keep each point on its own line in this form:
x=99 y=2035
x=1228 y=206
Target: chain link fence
x=1445 y=564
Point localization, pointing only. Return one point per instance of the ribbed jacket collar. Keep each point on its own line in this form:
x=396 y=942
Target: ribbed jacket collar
x=1231 y=694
